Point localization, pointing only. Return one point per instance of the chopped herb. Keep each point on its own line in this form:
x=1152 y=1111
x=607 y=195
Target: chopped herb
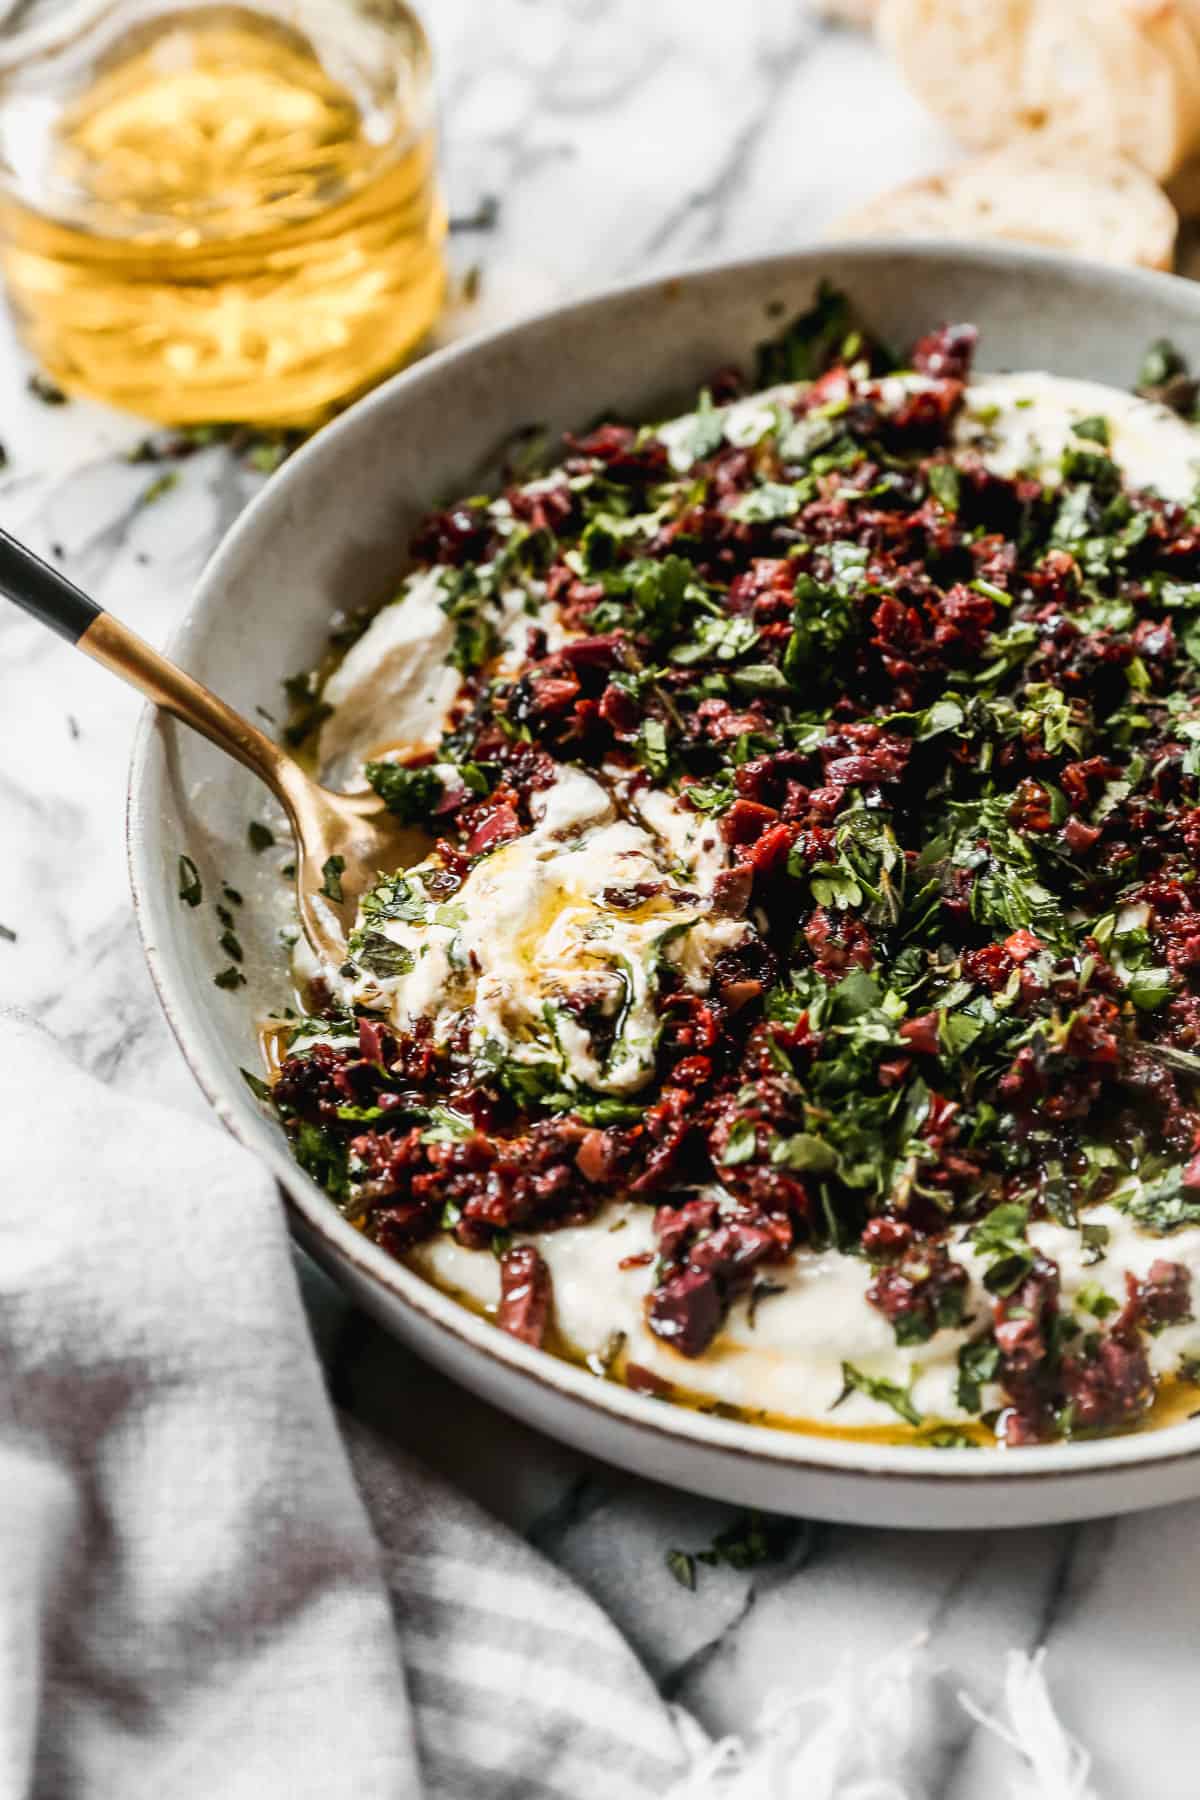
x=45 y=390
x=652 y=748
x=944 y=485
x=7 y=934
x=1093 y=1299
x=683 y=1568
x=266 y=458
x=380 y=956
x=603 y=1361
x=410 y=793
x=875 y=1388
x=258 y=1087
x=1001 y=1236
x=190 y=889
x=947 y=1437
x=331 y=877
x=751 y=1540
x=323 y=1157
x=1161 y=361
x=229 y=978
x=978 y=1363
x=260 y=836
x=1095 y=1240
x=309 y=711
x=814 y=340
x=1094 y=428
x=162 y=484
x=741 y=1143
x=1162 y=1204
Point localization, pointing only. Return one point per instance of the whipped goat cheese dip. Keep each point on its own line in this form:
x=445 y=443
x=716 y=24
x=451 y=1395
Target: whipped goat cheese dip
x=797 y=1006
x=533 y=927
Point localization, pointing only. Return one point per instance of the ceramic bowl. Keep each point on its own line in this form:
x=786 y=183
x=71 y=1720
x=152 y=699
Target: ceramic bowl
x=328 y=533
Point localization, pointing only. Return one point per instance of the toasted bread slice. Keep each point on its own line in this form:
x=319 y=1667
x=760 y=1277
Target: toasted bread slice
x=963 y=58
x=1122 y=77
x=1183 y=185
x=1033 y=191
x=1127 y=81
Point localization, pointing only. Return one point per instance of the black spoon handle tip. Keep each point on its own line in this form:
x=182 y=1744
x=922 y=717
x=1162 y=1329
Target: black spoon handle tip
x=33 y=585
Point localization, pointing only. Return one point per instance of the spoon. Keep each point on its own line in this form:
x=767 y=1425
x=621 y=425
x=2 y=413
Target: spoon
x=342 y=840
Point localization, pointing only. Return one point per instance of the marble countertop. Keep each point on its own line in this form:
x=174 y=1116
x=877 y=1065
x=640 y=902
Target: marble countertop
x=585 y=141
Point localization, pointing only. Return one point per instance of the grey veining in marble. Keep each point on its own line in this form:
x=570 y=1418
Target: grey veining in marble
x=586 y=141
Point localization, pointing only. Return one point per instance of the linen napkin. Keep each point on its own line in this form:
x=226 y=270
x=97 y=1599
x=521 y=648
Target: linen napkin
x=193 y=1601
x=211 y=1588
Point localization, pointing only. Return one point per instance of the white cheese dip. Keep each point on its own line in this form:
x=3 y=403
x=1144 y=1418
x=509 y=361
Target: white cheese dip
x=397 y=684
x=544 y=922
x=788 y=1362
x=534 y=925
x=1023 y=423
x=1019 y=422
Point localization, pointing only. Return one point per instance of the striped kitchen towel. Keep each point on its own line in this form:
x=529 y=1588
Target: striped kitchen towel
x=213 y=1589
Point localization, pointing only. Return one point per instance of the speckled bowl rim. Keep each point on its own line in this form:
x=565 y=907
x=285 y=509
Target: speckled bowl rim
x=314 y=1219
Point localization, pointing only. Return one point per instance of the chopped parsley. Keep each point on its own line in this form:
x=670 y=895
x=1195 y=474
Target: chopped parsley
x=978 y=1363
x=258 y=1087
x=45 y=390
x=331 y=877
x=682 y=1565
x=749 y=1541
x=876 y=1388
x=162 y=484
x=191 y=891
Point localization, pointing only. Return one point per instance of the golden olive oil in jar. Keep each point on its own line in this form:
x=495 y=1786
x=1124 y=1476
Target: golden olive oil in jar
x=221 y=213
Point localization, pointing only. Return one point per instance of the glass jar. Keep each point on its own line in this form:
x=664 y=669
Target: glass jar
x=220 y=213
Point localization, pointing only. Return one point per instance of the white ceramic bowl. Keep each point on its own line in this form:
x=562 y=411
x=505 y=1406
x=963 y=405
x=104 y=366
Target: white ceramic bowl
x=330 y=532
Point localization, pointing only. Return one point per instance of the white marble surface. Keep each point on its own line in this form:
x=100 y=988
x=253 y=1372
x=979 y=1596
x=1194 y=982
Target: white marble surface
x=616 y=138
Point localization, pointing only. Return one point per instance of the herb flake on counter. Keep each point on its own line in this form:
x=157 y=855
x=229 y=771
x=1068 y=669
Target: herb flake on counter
x=260 y=837
x=162 y=484
x=7 y=934
x=45 y=390
x=229 y=979
x=682 y=1565
x=750 y=1541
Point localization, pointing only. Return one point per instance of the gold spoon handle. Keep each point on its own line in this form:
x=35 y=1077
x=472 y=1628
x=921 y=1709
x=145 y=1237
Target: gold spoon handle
x=337 y=835
x=46 y=594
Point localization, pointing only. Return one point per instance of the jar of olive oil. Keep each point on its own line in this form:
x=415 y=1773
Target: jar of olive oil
x=216 y=213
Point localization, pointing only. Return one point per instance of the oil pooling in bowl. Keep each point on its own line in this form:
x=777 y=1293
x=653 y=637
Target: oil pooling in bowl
x=220 y=213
